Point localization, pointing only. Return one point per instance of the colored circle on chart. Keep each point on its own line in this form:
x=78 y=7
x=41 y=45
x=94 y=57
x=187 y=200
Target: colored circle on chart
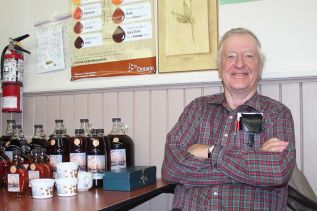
x=118 y=35
x=78 y=13
x=79 y=42
x=78 y=28
x=118 y=16
x=117 y=2
x=76 y=2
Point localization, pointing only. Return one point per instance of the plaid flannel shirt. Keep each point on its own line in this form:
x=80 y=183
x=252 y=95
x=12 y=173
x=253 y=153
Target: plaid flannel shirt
x=236 y=176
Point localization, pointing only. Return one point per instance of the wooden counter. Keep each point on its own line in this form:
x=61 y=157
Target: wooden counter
x=92 y=200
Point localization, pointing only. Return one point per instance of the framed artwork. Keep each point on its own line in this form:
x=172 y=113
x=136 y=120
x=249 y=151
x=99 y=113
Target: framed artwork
x=188 y=35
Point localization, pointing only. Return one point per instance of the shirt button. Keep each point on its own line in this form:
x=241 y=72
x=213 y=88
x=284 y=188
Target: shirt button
x=226 y=135
x=215 y=193
x=230 y=117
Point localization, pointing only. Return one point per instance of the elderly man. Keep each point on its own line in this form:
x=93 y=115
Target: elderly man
x=234 y=150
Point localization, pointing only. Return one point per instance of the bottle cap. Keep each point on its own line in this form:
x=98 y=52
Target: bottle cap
x=116 y=119
x=38 y=126
x=59 y=121
x=83 y=120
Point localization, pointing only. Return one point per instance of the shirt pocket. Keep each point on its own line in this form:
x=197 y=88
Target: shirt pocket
x=243 y=140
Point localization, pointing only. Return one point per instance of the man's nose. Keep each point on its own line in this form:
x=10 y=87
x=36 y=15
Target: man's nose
x=239 y=62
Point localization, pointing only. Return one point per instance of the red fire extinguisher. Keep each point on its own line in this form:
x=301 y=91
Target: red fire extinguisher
x=12 y=75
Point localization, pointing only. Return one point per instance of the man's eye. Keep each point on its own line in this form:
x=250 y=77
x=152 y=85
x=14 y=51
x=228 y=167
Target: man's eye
x=231 y=57
x=248 y=57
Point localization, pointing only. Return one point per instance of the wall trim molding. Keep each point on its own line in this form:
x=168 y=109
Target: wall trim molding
x=169 y=86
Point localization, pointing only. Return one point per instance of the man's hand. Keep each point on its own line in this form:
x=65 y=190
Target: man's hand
x=199 y=150
x=274 y=145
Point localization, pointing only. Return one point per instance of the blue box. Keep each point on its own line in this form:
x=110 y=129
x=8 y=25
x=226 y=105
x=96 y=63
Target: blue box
x=130 y=178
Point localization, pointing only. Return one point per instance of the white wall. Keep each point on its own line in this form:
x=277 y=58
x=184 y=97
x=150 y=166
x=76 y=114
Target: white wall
x=287 y=29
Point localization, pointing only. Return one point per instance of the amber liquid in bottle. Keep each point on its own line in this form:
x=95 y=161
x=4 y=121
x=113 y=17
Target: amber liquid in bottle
x=38 y=140
x=121 y=146
x=9 y=131
x=59 y=125
x=44 y=161
x=17 y=179
x=57 y=150
x=35 y=169
x=96 y=158
x=4 y=164
x=77 y=149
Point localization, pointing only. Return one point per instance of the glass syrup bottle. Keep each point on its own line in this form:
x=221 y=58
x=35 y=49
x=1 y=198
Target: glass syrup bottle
x=86 y=126
x=4 y=164
x=121 y=146
x=39 y=138
x=77 y=149
x=57 y=149
x=59 y=125
x=36 y=169
x=9 y=132
x=17 y=179
x=96 y=158
x=44 y=160
x=107 y=148
x=19 y=142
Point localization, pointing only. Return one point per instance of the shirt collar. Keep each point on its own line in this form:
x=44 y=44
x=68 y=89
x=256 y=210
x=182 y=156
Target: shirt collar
x=253 y=102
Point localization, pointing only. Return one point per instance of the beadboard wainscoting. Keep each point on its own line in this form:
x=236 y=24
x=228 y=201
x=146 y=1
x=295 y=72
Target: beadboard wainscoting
x=150 y=112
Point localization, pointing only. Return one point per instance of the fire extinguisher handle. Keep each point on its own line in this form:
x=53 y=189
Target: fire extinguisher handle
x=18 y=39
x=16 y=47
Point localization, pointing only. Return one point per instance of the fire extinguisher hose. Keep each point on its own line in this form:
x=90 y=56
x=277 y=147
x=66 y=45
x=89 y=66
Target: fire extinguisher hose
x=2 y=60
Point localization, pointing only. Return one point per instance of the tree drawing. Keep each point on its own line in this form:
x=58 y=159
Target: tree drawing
x=186 y=16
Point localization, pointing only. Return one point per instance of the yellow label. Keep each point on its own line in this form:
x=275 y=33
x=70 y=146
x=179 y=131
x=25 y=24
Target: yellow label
x=33 y=167
x=53 y=142
x=76 y=2
x=76 y=141
x=95 y=142
x=13 y=169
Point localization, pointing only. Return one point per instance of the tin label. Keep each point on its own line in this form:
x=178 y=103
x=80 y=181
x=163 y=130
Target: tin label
x=79 y=158
x=13 y=183
x=118 y=159
x=33 y=175
x=96 y=164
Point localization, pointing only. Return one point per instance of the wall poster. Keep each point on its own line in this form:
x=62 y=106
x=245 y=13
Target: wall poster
x=188 y=35
x=112 y=38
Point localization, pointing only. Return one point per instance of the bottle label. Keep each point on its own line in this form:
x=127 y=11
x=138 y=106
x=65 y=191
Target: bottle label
x=76 y=141
x=54 y=159
x=33 y=175
x=95 y=142
x=13 y=183
x=53 y=142
x=79 y=158
x=96 y=165
x=13 y=169
x=118 y=159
